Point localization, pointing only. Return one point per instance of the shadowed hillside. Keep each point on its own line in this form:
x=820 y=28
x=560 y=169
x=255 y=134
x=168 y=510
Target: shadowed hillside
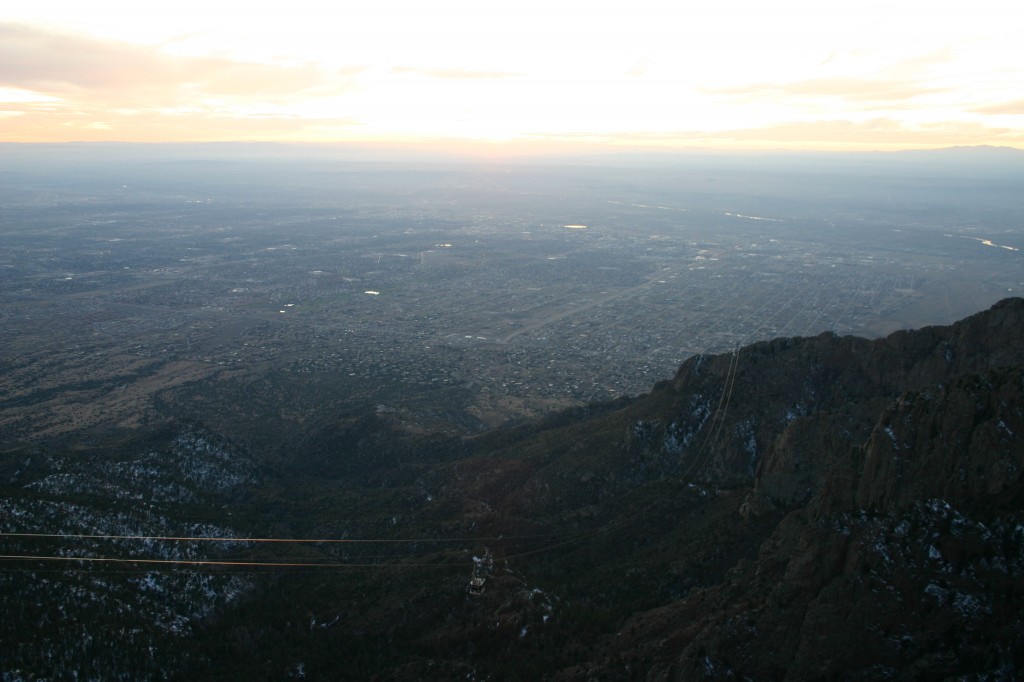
x=826 y=507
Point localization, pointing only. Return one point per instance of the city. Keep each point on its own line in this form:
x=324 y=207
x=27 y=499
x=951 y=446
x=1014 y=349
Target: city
x=452 y=297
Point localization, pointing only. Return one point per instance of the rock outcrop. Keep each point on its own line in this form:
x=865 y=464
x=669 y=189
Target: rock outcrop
x=902 y=554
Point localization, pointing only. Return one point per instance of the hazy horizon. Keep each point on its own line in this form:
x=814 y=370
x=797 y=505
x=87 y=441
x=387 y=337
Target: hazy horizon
x=461 y=151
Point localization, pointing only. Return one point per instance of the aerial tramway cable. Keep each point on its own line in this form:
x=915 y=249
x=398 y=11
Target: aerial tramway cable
x=400 y=564
x=176 y=538
x=236 y=564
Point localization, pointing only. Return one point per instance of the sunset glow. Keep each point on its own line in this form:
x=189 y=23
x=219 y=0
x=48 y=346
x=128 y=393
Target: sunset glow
x=729 y=74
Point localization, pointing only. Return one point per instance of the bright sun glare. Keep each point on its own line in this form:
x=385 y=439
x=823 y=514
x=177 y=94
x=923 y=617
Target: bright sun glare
x=732 y=74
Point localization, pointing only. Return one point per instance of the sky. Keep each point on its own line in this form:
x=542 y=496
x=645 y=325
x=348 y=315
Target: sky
x=528 y=74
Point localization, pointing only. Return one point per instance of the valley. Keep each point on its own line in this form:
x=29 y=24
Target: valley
x=271 y=421
x=452 y=296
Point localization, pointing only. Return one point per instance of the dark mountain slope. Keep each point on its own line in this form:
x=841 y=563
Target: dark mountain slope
x=806 y=508
x=907 y=561
x=906 y=564
x=721 y=416
x=719 y=421
x=780 y=409
x=815 y=508
x=62 y=619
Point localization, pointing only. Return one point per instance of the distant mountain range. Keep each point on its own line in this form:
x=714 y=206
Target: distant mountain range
x=66 y=154
x=802 y=508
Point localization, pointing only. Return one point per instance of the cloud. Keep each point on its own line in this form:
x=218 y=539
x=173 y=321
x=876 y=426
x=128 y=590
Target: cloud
x=61 y=86
x=65 y=87
x=850 y=89
x=894 y=84
x=76 y=67
x=225 y=77
x=874 y=131
x=170 y=126
x=1014 y=108
x=454 y=74
x=43 y=61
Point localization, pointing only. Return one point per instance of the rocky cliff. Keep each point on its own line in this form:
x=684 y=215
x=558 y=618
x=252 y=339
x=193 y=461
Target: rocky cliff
x=779 y=408
x=902 y=552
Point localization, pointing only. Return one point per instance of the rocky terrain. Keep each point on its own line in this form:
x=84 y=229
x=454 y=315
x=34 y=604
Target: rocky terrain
x=802 y=508
x=61 y=616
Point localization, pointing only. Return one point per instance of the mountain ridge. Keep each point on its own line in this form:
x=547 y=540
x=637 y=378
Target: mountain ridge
x=956 y=432
x=803 y=508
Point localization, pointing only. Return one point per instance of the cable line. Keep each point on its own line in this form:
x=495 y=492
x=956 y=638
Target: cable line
x=248 y=564
x=176 y=538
